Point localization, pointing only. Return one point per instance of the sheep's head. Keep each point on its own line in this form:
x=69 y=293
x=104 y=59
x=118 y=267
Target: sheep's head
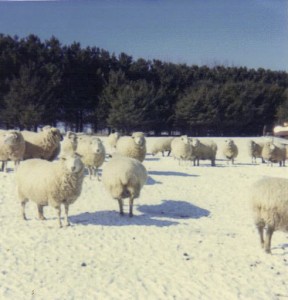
x=185 y=139
x=195 y=142
x=73 y=163
x=96 y=145
x=139 y=140
x=12 y=137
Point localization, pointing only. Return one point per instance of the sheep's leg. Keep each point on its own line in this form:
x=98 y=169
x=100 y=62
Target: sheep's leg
x=268 y=238
x=23 y=203
x=2 y=166
x=162 y=153
x=97 y=174
x=59 y=215
x=120 y=202
x=5 y=166
x=90 y=172
x=168 y=152
x=260 y=228
x=66 y=214
x=40 y=212
x=213 y=162
x=131 y=200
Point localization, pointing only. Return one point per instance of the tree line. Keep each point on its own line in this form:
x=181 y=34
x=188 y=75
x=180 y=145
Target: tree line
x=45 y=82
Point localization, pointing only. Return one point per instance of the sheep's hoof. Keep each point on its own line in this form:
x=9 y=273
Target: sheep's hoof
x=42 y=218
x=130 y=215
x=268 y=251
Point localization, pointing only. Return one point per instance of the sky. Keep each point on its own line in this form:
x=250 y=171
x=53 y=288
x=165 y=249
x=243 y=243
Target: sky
x=250 y=33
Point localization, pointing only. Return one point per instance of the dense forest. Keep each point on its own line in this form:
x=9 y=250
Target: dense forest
x=45 y=82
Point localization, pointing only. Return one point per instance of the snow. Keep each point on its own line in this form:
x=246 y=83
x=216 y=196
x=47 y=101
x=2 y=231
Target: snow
x=192 y=237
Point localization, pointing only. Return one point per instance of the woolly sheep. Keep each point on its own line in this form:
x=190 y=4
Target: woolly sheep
x=269 y=201
x=44 y=144
x=132 y=146
x=203 y=150
x=50 y=183
x=124 y=177
x=112 y=141
x=12 y=147
x=255 y=150
x=92 y=153
x=69 y=144
x=230 y=150
x=274 y=153
x=181 y=148
x=161 y=145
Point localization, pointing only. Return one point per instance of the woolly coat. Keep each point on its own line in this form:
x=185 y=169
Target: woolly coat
x=230 y=150
x=274 y=153
x=69 y=144
x=181 y=148
x=204 y=150
x=255 y=150
x=132 y=146
x=161 y=145
x=12 y=145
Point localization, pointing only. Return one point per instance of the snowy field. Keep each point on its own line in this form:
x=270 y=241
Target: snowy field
x=191 y=237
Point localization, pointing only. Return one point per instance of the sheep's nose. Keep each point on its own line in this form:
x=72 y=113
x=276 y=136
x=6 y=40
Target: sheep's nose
x=73 y=168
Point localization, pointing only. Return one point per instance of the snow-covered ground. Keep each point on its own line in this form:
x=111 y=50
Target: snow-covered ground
x=191 y=237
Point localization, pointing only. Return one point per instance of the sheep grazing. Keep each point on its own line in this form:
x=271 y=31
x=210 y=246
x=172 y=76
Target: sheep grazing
x=255 y=150
x=124 y=177
x=112 y=141
x=274 y=153
x=50 y=183
x=132 y=146
x=69 y=144
x=181 y=148
x=92 y=153
x=269 y=201
x=203 y=150
x=161 y=145
x=44 y=144
x=12 y=147
x=230 y=150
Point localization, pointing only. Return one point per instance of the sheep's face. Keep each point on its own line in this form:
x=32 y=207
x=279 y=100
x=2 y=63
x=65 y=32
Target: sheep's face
x=195 y=142
x=96 y=146
x=229 y=142
x=139 y=140
x=11 y=138
x=73 y=163
x=185 y=139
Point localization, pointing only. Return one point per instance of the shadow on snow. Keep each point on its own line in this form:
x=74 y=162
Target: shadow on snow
x=171 y=173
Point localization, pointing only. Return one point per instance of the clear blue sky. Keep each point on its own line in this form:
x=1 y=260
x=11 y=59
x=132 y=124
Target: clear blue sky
x=251 y=33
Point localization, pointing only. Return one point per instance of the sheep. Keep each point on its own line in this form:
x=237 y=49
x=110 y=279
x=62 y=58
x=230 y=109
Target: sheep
x=274 y=153
x=162 y=145
x=255 y=150
x=12 y=147
x=44 y=144
x=50 y=183
x=112 y=141
x=132 y=146
x=203 y=150
x=93 y=153
x=69 y=144
x=230 y=150
x=181 y=148
x=124 y=177
x=269 y=203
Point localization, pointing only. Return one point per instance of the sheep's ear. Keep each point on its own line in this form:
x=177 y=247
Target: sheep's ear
x=63 y=158
x=78 y=155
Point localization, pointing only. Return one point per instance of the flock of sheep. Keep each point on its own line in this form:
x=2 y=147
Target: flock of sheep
x=64 y=161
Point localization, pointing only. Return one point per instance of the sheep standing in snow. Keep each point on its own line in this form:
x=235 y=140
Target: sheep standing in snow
x=274 y=153
x=255 y=150
x=69 y=144
x=124 y=177
x=230 y=150
x=44 y=144
x=92 y=153
x=203 y=150
x=269 y=199
x=181 y=148
x=12 y=147
x=161 y=145
x=132 y=146
x=112 y=141
x=50 y=183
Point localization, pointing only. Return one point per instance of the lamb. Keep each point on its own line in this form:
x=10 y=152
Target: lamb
x=255 y=150
x=92 y=152
x=181 y=148
x=162 y=145
x=269 y=202
x=203 y=150
x=112 y=141
x=124 y=177
x=69 y=144
x=50 y=183
x=12 y=147
x=44 y=144
x=274 y=153
x=132 y=146
x=230 y=150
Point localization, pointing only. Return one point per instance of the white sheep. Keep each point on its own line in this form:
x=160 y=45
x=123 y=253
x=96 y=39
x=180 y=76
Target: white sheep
x=181 y=148
x=255 y=150
x=161 y=145
x=12 y=147
x=203 y=150
x=112 y=141
x=124 y=177
x=274 y=153
x=44 y=144
x=132 y=146
x=50 y=183
x=69 y=144
x=92 y=153
x=230 y=150
x=269 y=201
